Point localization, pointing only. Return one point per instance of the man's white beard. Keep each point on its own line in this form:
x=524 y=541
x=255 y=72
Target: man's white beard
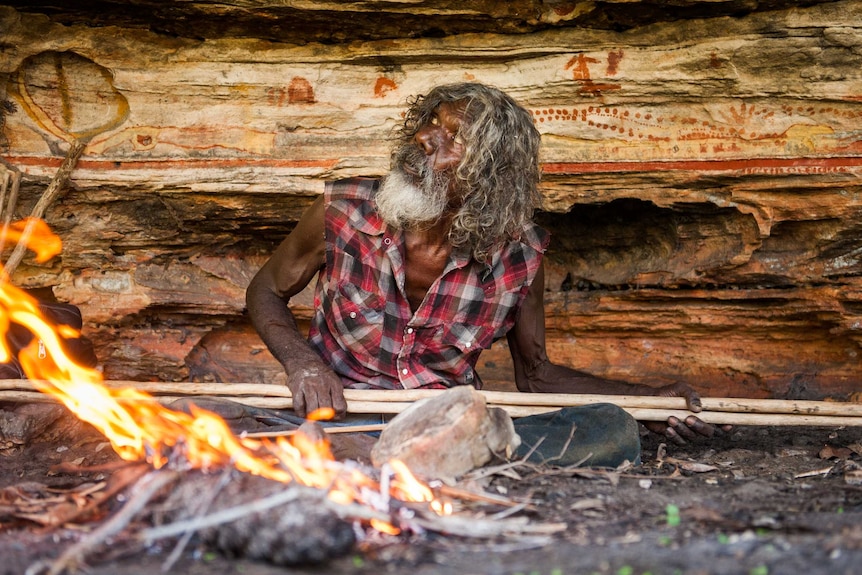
x=403 y=204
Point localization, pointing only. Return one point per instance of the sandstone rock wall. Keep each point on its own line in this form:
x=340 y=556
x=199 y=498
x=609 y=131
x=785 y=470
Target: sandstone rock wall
x=701 y=181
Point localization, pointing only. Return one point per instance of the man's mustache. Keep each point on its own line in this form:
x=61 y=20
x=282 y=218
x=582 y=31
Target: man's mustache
x=413 y=160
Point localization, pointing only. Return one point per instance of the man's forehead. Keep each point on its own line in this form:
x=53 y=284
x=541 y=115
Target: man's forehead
x=459 y=106
x=456 y=109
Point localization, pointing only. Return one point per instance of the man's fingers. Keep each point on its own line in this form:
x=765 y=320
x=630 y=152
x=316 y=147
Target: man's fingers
x=655 y=426
x=692 y=399
x=339 y=404
x=699 y=426
x=299 y=404
x=681 y=429
x=313 y=401
x=672 y=435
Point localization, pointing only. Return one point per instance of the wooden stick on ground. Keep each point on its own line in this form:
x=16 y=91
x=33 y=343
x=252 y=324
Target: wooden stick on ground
x=335 y=429
x=733 y=411
x=556 y=400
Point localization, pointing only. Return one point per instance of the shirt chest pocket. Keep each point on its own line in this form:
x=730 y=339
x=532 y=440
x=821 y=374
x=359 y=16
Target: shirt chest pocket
x=357 y=316
x=485 y=318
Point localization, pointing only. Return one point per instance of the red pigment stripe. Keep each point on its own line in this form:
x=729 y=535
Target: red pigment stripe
x=90 y=164
x=754 y=164
x=751 y=164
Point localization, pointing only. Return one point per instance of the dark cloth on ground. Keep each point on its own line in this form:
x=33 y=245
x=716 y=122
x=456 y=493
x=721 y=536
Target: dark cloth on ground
x=599 y=435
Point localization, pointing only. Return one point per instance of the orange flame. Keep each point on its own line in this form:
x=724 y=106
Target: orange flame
x=37 y=235
x=138 y=427
x=321 y=414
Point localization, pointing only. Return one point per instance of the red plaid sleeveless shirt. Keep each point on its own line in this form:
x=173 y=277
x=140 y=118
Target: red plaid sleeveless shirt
x=363 y=325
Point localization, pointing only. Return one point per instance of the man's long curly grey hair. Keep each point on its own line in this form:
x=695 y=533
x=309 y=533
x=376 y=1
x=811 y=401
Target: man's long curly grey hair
x=499 y=171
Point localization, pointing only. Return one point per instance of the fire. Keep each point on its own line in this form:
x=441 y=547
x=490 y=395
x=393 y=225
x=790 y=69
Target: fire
x=139 y=428
x=37 y=235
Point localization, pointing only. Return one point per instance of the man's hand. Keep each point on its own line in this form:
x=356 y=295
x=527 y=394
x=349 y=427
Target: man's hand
x=692 y=427
x=314 y=386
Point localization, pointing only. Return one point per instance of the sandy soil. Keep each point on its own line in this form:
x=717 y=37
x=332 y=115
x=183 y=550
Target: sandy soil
x=756 y=501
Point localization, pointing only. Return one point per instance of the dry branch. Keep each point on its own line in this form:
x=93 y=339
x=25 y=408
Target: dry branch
x=10 y=182
x=55 y=190
x=335 y=430
x=733 y=411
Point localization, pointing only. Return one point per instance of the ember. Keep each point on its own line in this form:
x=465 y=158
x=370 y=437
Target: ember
x=139 y=428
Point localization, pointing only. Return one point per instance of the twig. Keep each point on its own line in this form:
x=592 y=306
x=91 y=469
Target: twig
x=467 y=495
x=73 y=557
x=487 y=471
x=54 y=191
x=334 y=429
x=565 y=447
x=69 y=467
x=815 y=473
x=227 y=515
x=201 y=509
x=485 y=528
x=126 y=475
x=11 y=179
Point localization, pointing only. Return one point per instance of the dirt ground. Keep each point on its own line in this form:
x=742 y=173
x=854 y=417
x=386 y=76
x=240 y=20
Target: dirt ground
x=756 y=501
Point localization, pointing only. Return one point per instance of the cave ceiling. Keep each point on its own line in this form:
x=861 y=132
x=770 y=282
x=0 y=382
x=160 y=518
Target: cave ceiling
x=337 y=21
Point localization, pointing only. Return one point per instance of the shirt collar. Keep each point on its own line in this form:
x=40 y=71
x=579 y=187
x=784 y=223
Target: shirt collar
x=369 y=222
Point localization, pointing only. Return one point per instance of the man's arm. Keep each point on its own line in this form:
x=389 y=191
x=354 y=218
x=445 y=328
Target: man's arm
x=290 y=269
x=534 y=372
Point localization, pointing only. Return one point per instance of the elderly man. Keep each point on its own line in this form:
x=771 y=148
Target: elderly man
x=422 y=270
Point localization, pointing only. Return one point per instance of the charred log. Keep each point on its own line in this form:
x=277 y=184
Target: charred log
x=300 y=531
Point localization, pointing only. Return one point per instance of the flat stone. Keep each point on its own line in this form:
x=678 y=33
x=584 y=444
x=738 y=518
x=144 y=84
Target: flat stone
x=446 y=436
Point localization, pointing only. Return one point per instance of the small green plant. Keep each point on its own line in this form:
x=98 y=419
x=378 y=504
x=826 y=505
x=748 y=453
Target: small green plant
x=625 y=570
x=723 y=538
x=672 y=512
x=759 y=570
x=358 y=562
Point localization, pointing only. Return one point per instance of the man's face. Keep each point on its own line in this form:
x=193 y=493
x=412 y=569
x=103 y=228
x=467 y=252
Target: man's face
x=440 y=139
x=422 y=185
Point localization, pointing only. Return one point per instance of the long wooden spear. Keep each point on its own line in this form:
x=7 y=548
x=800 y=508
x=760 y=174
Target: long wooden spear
x=733 y=411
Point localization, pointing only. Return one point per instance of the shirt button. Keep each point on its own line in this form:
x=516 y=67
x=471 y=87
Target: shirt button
x=353 y=315
x=468 y=344
x=405 y=371
x=409 y=330
x=387 y=241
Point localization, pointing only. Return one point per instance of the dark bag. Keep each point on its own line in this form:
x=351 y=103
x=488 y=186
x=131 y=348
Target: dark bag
x=79 y=348
x=596 y=435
